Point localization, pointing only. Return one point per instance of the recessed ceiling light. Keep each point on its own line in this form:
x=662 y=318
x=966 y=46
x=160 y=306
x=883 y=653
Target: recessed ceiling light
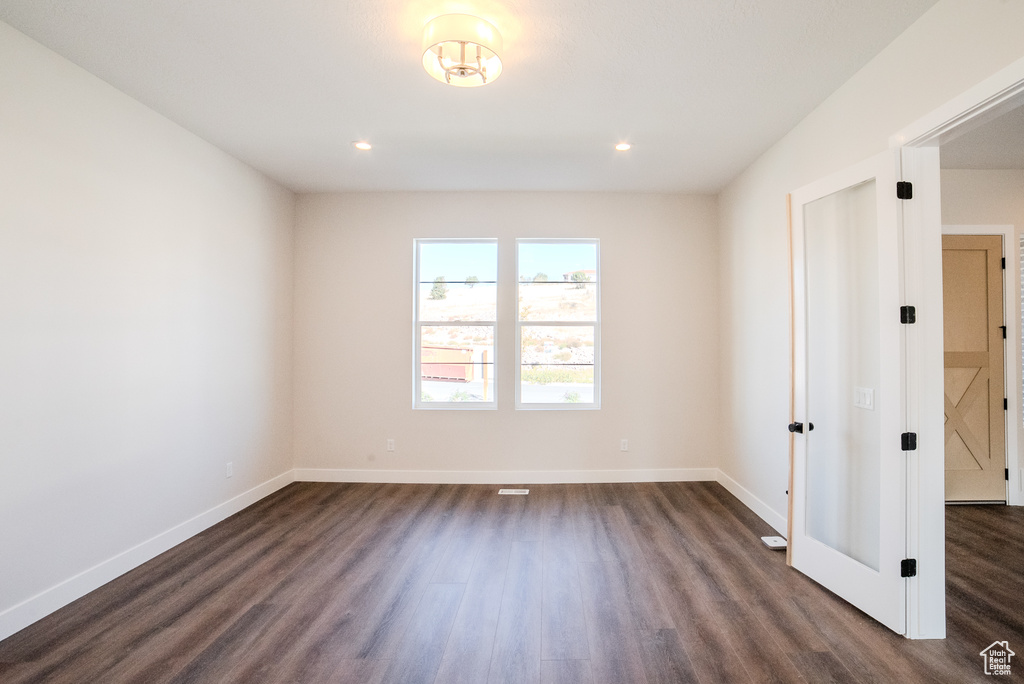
x=622 y=147
x=362 y=145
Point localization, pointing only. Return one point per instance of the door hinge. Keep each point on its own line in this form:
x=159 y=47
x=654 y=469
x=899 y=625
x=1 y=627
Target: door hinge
x=1006 y=404
x=908 y=567
x=904 y=190
x=1003 y=328
x=908 y=315
x=908 y=441
x=1007 y=473
x=1004 y=263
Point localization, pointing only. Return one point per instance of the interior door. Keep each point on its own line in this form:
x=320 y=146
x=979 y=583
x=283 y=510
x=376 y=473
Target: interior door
x=972 y=304
x=848 y=510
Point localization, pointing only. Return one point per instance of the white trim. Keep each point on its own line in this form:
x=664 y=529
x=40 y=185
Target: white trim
x=17 y=617
x=507 y=477
x=989 y=99
x=1011 y=353
x=763 y=510
x=922 y=260
x=925 y=496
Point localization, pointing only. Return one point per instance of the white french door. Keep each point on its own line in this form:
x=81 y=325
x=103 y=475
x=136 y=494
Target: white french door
x=848 y=521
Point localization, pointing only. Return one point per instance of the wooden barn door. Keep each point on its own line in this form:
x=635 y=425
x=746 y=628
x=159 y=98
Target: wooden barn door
x=972 y=302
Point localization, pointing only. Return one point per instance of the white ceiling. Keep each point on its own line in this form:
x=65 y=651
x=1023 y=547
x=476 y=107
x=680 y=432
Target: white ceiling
x=700 y=87
x=998 y=144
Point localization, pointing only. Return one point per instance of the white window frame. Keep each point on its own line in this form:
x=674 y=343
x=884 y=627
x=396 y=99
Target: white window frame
x=595 y=324
x=418 y=326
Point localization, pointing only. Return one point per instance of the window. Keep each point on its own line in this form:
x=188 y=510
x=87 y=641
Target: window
x=558 y=324
x=456 y=311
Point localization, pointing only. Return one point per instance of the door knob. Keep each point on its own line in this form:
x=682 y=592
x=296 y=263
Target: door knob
x=796 y=427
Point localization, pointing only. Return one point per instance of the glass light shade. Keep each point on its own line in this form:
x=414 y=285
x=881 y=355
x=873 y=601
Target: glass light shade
x=462 y=50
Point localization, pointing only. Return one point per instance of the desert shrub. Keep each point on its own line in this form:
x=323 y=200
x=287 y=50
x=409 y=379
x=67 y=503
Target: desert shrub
x=440 y=289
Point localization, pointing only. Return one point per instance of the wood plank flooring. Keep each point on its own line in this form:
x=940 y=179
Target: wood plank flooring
x=572 y=584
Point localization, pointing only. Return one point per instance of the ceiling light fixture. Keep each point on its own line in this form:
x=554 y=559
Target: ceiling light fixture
x=362 y=145
x=462 y=50
x=622 y=147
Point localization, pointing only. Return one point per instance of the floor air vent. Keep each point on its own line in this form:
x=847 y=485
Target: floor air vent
x=513 y=491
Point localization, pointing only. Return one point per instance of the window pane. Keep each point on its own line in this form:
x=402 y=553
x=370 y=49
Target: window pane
x=557 y=364
x=457 y=363
x=557 y=301
x=557 y=385
x=446 y=301
x=564 y=261
x=458 y=261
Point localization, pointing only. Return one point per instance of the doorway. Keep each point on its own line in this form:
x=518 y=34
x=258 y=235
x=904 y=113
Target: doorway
x=921 y=220
x=919 y=144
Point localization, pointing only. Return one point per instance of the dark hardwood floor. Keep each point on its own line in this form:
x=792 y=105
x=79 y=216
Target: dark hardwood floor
x=611 y=583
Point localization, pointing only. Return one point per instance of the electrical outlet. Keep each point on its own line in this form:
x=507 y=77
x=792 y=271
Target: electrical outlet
x=391 y=445
x=229 y=469
x=624 y=446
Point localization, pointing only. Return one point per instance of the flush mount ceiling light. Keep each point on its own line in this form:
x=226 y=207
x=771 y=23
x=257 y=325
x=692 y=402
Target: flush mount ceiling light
x=362 y=145
x=462 y=50
x=623 y=146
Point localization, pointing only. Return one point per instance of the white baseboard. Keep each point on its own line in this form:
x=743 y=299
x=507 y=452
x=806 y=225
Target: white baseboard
x=506 y=476
x=17 y=617
x=763 y=510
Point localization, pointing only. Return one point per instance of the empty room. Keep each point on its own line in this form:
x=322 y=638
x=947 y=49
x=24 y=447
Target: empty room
x=374 y=341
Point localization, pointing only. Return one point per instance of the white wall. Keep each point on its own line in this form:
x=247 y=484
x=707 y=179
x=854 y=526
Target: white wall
x=995 y=198
x=951 y=48
x=145 y=332
x=983 y=197
x=353 y=340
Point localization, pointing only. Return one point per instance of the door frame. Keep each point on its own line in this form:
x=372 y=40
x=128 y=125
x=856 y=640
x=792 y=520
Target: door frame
x=1011 y=349
x=922 y=224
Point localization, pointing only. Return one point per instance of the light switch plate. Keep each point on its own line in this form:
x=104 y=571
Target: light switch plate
x=864 y=397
